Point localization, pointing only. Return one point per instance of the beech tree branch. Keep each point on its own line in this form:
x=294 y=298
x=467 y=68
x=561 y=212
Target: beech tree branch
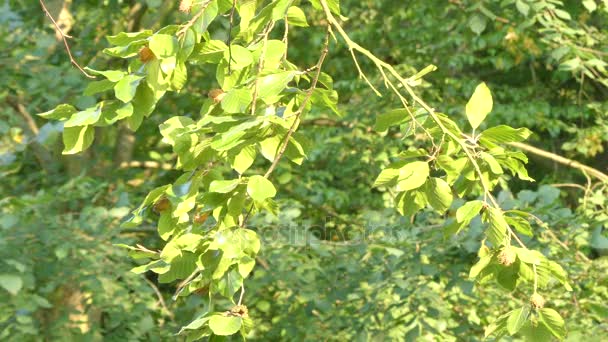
x=145 y=165
x=562 y=160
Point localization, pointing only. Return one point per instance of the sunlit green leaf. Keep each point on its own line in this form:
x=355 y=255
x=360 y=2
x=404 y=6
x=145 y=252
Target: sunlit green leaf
x=412 y=175
x=260 y=188
x=517 y=319
x=479 y=105
x=76 y=139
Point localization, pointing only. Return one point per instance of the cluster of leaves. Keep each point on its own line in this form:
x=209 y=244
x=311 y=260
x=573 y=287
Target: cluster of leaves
x=255 y=110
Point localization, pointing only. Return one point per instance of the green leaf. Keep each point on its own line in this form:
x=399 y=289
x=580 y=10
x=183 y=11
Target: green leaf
x=391 y=118
x=225 y=325
x=562 y=14
x=86 y=117
x=479 y=105
x=498 y=327
x=208 y=16
x=507 y=277
x=517 y=319
x=156 y=266
x=412 y=175
x=260 y=188
x=409 y=202
x=386 y=177
x=144 y=103
x=223 y=186
x=246 y=265
x=63 y=111
x=479 y=266
x=520 y=224
x=477 y=23
x=492 y=163
x=11 y=283
x=77 y=139
x=126 y=51
x=560 y=274
x=179 y=76
x=243 y=160
x=210 y=52
x=126 y=88
x=296 y=17
x=98 y=87
x=590 y=5
x=505 y=134
x=246 y=12
x=439 y=194
x=275 y=50
x=163 y=45
x=535 y=332
x=553 y=321
x=111 y=75
x=238 y=56
x=272 y=85
x=522 y=7
x=234 y=136
x=270 y=146
x=124 y=38
x=468 y=211
x=166 y=225
x=529 y=256
x=237 y=100
x=325 y=98
x=497 y=230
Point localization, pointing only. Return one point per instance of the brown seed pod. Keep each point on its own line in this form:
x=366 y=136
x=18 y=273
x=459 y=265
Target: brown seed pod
x=161 y=205
x=200 y=218
x=217 y=95
x=537 y=301
x=146 y=55
x=238 y=310
x=202 y=291
x=185 y=6
x=507 y=256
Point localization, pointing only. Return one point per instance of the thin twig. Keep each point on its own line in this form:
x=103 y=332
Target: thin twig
x=260 y=65
x=230 y=36
x=64 y=37
x=285 y=38
x=297 y=115
x=20 y=108
x=186 y=282
x=148 y=164
x=161 y=300
x=242 y=294
x=313 y=86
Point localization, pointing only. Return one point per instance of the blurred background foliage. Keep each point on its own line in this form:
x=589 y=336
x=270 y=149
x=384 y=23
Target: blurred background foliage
x=336 y=263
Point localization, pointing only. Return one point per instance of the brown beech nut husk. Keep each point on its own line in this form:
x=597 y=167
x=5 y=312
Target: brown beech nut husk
x=537 y=301
x=200 y=218
x=146 y=55
x=185 y=6
x=162 y=205
x=217 y=95
x=507 y=256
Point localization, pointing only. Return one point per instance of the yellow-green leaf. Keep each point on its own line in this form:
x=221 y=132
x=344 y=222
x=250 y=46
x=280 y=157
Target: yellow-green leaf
x=77 y=139
x=479 y=105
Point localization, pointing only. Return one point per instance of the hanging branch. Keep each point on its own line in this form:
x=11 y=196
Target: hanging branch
x=562 y=160
x=297 y=114
x=64 y=37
